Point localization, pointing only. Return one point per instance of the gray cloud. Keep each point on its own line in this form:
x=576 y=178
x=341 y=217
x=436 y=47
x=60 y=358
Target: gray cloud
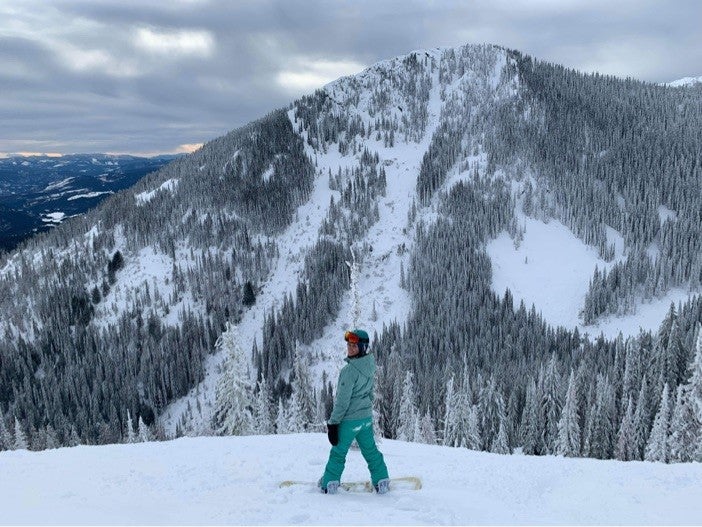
x=133 y=76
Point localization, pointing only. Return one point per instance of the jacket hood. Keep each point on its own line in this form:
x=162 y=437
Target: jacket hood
x=365 y=365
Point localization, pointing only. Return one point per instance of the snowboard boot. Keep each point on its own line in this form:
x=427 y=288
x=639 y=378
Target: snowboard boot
x=331 y=487
x=383 y=486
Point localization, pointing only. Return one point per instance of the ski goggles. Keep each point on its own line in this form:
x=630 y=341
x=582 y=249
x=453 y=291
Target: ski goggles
x=350 y=336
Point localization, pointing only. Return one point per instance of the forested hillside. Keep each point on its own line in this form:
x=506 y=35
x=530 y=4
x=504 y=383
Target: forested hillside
x=412 y=166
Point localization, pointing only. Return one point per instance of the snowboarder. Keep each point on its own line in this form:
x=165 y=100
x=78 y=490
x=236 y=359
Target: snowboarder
x=352 y=417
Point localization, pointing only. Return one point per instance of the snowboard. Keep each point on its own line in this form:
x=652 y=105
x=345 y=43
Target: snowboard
x=404 y=483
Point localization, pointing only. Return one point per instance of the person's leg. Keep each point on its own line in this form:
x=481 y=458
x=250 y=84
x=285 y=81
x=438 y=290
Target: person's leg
x=376 y=463
x=337 y=455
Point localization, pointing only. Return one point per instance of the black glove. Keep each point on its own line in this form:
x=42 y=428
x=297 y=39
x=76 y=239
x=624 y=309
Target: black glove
x=333 y=434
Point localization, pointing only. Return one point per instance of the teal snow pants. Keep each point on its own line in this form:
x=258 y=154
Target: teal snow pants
x=362 y=431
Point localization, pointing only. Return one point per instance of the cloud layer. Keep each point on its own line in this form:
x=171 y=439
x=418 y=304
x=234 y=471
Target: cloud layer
x=146 y=77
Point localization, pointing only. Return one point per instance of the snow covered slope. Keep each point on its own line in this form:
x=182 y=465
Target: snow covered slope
x=234 y=480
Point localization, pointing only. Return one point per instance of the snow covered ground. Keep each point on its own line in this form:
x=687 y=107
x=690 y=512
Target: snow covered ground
x=552 y=269
x=234 y=480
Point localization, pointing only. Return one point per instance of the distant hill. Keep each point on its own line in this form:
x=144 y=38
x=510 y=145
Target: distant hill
x=39 y=192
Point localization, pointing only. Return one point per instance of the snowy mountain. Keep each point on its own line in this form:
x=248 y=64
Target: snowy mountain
x=508 y=217
x=39 y=192
x=686 y=81
x=234 y=481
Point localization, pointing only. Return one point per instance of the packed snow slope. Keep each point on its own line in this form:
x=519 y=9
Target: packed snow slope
x=234 y=480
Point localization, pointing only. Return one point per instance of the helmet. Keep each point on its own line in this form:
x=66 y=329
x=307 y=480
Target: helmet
x=360 y=337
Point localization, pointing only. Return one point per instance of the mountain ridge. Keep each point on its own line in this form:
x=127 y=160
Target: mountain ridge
x=447 y=150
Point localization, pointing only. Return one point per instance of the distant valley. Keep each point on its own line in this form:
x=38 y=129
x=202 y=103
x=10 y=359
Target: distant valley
x=39 y=192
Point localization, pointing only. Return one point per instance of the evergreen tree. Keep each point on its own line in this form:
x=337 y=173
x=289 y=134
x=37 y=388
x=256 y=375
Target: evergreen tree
x=641 y=422
x=472 y=439
x=281 y=420
x=6 y=441
x=20 y=437
x=501 y=443
x=684 y=427
x=131 y=436
x=626 y=445
x=568 y=443
x=424 y=430
x=262 y=421
x=450 y=431
x=657 y=446
x=551 y=404
x=232 y=413
x=304 y=400
x=145 y=434
x=694 y=390
x=408 y=410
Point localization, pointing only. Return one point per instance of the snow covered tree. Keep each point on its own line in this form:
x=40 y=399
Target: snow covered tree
x=626 y=445
x=601 y=428
x=491 y=411
x=232 y=413
x=568 y=443
x=262 y=421
x=641 y=422
x=532 y=423
x=501 y=443
x=450 y=431
x=303 y=401
x=408 y=410
x=657 y=447
x=51 y=438
x=281 y=420
x=694 y=390
x=145 y=434
x=551 y=404
x=6 y=440
x=20 y=438
x=131 y=436
x=684 y=427
x=424 y=430
x=472 y=438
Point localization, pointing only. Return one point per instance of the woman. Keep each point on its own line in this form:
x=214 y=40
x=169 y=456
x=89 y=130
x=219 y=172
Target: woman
x=352 y=416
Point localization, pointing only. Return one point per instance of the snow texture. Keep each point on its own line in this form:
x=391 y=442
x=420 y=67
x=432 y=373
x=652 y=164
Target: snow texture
x=234 y=481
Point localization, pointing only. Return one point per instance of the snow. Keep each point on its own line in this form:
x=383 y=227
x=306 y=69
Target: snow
x=686 y=81
x=234 y=481
x=54 y=217
x=552 y=269
x=90 y=195
x=665 y=214
x=58 y=184
x=169 y=185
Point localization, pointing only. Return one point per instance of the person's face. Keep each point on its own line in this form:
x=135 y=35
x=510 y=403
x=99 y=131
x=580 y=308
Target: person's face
x=351 y=349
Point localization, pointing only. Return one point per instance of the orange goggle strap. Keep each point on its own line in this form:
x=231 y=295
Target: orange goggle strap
x=351 y=337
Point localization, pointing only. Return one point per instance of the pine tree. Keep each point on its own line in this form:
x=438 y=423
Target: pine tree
x=20 y=438
x=304 y=402
x=281 y=420
x=232 y=414
x=694 y=390
x=131 y=436
x=657 y=447
x=145 y=434
x=568 y=443
x=408 y=410
x=641 y=422
x=626 y=446
x=682 y=441
x=262 y=422
x=473 y=439
x=551 y=405
x=532 y=424
x=424 y=430
x=501 y=443
x=6 y=440
x=450 y=431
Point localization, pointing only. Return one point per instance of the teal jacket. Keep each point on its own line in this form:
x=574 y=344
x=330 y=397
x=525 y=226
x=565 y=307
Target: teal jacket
x=354 y=391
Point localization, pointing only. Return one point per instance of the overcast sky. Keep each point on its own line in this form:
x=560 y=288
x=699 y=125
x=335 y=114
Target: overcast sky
x=146 y=77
